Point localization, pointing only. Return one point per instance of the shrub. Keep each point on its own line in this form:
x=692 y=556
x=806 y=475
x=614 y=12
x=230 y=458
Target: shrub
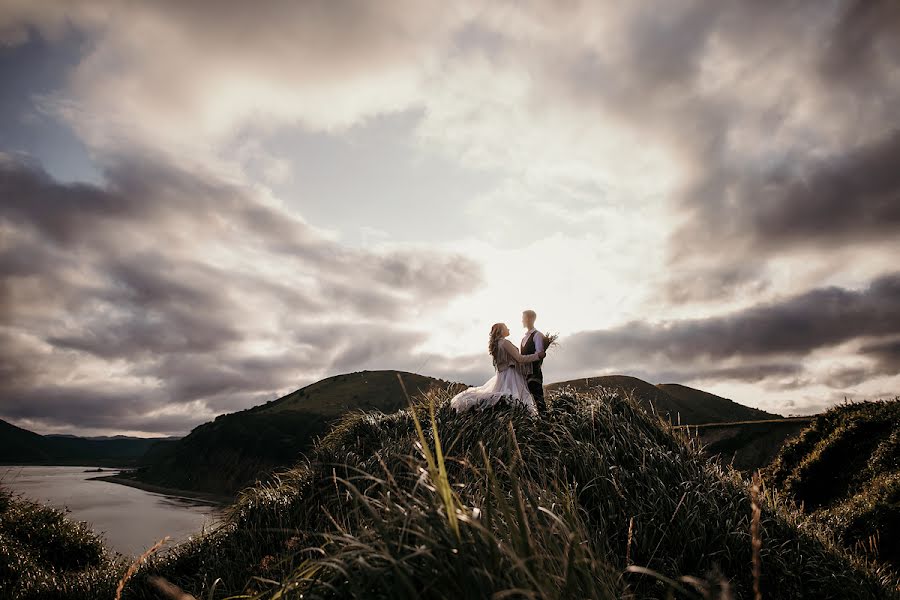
x=44 y=555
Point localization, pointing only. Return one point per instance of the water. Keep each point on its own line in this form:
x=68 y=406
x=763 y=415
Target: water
x=131 y=520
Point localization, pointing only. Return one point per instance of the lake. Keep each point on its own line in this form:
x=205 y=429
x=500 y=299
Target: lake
x=131 y=520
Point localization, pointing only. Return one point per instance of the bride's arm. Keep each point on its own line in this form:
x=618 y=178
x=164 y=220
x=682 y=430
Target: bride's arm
x=517 y=356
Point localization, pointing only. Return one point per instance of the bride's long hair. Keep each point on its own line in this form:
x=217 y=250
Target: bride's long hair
x=496 y=335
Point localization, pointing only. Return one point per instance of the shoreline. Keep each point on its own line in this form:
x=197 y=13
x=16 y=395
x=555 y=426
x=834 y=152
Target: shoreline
x=216 y=499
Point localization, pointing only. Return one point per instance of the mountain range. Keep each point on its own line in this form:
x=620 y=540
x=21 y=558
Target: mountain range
x=19 y=446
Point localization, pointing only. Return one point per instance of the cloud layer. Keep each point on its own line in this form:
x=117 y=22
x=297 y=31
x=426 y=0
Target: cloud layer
x=768 y=340
x=705 y=193
x=165 y=289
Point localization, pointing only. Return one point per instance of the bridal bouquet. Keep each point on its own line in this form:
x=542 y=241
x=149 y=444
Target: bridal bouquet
x=550 y=340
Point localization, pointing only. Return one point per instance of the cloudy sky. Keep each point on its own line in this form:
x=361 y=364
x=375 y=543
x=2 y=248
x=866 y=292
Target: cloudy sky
x=205 y=205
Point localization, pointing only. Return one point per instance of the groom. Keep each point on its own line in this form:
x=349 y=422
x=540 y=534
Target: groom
x=532 y=343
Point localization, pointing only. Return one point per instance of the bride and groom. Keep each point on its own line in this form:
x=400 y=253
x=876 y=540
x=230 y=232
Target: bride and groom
x=518 y=378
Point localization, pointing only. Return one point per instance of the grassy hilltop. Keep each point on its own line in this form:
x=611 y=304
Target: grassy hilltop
x=599 y=500
x=223 y=456
x=845 y=470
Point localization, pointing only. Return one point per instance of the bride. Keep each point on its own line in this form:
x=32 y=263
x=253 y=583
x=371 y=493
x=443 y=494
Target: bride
x=507 y=383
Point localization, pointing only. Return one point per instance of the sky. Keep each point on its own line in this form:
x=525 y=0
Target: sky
x=206 y=205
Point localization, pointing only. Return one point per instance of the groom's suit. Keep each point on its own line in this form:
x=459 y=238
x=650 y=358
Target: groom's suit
x=532 y=343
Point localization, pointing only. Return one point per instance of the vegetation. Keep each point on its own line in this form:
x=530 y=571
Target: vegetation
x=44 y=555
x=715 y=409
x=599 y=500
x=20 y=447
x=678 y=404
x=844 y=469
x=237 y=449
x=747 y=445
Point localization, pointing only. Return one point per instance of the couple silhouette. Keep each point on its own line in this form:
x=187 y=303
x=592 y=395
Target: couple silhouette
x=518 y=379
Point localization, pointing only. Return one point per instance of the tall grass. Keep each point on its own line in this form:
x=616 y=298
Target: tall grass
x=597 y=500
x=437 y=467
x=844 y=470
x=46 y=556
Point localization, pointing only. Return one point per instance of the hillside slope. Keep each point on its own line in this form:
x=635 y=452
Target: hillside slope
x=747 y=445
x=22 y=447
x=676 y=403
x=845 y=470
x=597 y=500
x=724 y=409
x=576 y=505
x=236 y=449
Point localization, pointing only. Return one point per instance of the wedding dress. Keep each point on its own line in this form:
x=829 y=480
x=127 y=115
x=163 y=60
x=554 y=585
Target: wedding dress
x=506 y=384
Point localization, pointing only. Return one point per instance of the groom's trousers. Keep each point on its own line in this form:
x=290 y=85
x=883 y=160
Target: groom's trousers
x=536 y=387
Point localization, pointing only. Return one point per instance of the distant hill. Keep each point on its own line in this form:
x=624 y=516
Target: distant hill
x=676 y=403
x=239 y=448
x=22 y=447
x=364 y=390
x=709 y=404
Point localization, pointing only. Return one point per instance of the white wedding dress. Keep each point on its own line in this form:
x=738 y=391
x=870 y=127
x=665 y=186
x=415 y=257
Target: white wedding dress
x=507 y=383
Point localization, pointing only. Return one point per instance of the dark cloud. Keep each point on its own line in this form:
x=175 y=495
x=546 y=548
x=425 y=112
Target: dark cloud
x=191 y=293
x=748 y=373
x=865 y=30
x=782 y=116
x=845 y=377
x=886 y=354
x=882 y=359
x=80 y=406
x=142 y=285
x=842 y=192
x=850 y=197
x=786 y=330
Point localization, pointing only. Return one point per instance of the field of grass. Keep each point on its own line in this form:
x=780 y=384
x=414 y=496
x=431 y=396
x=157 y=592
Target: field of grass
x=844 y=469
x=598 y=500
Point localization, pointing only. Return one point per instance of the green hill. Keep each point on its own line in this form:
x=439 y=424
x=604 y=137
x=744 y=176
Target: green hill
x=22 y=447
x=844 y=469
x=723 y=409
x=676 y=403
x=364 y=390
x=597 y=500
x=236 y=449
